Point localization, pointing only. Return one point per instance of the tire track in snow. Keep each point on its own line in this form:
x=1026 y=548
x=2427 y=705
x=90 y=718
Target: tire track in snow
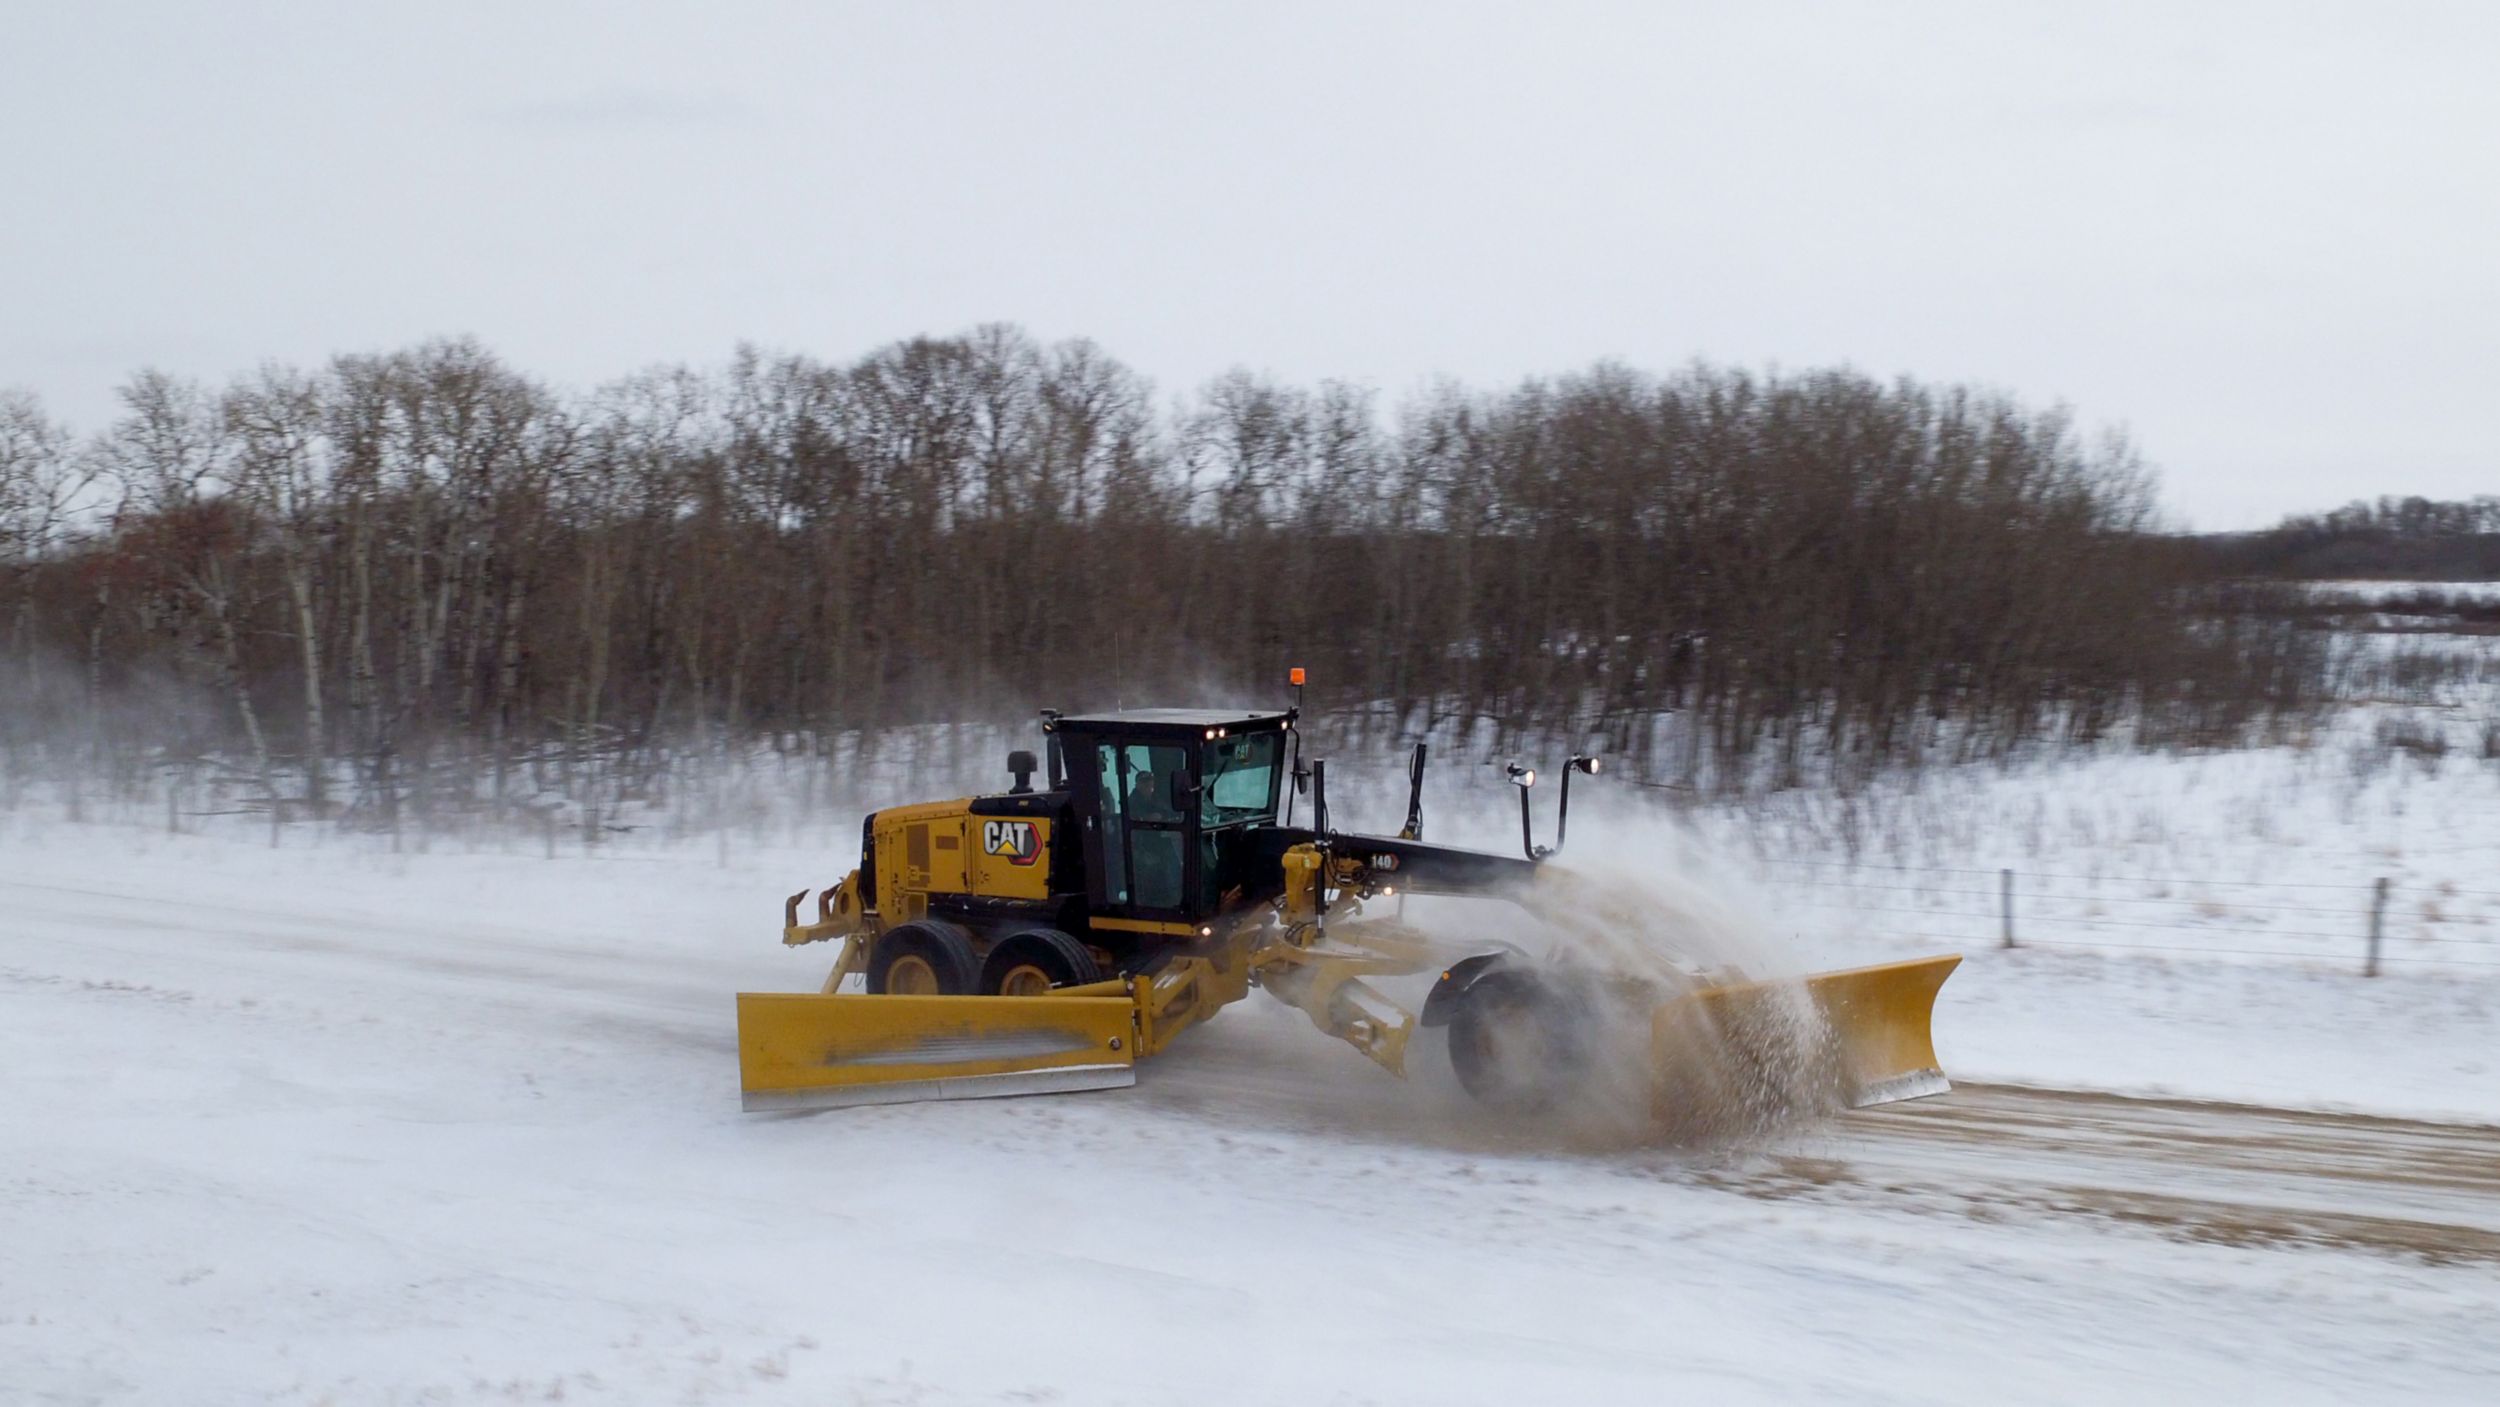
x=279 y=951
x=2219 y=1173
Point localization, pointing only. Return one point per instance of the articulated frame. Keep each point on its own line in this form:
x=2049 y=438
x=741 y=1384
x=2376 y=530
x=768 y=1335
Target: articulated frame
x=1312 y=950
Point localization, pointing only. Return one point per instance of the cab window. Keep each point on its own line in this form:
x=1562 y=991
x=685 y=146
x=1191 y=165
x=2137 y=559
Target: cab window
x=1241 y=776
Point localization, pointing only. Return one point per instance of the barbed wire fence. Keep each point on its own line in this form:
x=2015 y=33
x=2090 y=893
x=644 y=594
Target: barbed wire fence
x=2010 y=908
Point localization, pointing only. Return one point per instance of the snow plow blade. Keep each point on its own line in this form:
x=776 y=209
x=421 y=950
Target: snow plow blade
x=804 y=1051
x=1875 y=1038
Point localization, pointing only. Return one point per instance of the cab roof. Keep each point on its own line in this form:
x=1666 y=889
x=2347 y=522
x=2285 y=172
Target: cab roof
x=1128 y=720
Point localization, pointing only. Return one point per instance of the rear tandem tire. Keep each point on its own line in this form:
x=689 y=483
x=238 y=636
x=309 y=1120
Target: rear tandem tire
x=1031 y=962
x=923 y=958
x=1518 y=1041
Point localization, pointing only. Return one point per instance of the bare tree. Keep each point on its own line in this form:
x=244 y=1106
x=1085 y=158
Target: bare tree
x=283 y=475
x=188 y=538
x=41 y=481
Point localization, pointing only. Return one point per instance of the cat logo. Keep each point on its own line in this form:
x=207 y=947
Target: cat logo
x=1019 y=841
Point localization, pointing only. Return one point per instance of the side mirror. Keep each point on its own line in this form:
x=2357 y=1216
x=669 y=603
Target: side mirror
x=1183 y=794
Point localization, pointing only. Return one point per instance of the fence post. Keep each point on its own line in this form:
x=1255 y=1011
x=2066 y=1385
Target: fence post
x=2378 y=925
x=2005 y=882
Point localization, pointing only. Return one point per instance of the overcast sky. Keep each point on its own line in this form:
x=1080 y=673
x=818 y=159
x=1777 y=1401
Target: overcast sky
x=2264 y=240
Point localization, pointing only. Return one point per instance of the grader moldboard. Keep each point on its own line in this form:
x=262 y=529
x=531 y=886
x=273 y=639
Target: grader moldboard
x=1048 y=939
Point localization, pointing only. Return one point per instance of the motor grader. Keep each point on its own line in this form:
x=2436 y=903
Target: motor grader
x=1049 y=937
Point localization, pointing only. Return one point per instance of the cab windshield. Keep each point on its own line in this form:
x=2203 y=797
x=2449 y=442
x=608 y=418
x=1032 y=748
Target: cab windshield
x=1241 y=777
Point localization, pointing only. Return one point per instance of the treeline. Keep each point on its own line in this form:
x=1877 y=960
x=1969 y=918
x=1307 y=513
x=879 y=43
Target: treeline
x=2396 y=539
x=425 y=577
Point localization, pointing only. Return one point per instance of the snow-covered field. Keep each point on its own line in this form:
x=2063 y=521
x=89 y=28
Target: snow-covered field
x=323 y=1123
x=2191 y=924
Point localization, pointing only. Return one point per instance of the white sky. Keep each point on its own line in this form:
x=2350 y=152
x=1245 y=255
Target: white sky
x=2264 y=239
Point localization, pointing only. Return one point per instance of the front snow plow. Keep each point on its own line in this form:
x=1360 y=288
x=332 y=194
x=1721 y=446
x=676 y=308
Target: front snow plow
x=1867 y=1031
x=1047 y=940
x=1881 y=1023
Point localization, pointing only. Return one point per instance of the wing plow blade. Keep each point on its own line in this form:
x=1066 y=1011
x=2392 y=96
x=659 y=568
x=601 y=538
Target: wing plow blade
x=806 y=1051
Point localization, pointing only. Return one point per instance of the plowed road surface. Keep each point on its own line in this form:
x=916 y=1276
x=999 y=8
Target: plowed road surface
x=2231 y=1174
x=2212 y=1172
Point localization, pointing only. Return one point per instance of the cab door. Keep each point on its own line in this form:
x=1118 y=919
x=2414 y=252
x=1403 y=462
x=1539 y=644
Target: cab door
x=1140 y=848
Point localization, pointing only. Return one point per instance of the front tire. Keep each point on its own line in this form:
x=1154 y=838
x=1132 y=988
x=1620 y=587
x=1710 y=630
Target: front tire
x=1519 y=1042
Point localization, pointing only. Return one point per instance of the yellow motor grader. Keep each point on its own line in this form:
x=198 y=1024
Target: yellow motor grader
x=1048 y=938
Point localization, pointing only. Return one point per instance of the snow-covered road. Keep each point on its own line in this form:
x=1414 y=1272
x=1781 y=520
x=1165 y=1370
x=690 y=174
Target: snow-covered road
x=327 y=1125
